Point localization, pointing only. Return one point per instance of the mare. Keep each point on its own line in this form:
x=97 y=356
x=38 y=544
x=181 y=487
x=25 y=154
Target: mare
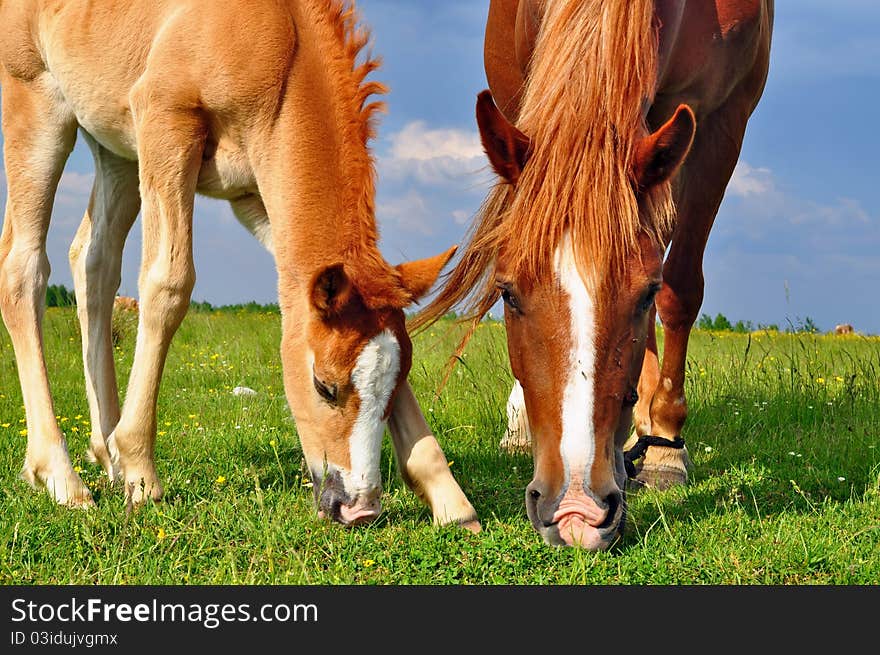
x=614 y=128
x=263 y=104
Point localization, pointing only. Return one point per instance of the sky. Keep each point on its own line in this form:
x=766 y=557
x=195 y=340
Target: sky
x=797 y=236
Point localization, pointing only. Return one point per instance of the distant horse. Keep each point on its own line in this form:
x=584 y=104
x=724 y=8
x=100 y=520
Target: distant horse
x=843 y=328
x=259 y=103
x=125 y=304
x=615 y=128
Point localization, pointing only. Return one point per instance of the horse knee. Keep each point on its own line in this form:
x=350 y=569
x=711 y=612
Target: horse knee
x=23 y=278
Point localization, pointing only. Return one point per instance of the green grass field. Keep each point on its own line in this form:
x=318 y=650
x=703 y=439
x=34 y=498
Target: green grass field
x=785 y=489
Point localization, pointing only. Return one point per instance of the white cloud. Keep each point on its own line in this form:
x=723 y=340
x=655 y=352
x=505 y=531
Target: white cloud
x=433 y=156
x=748 y=181
x=461 y=216
x=417 y=141
x=408 y=212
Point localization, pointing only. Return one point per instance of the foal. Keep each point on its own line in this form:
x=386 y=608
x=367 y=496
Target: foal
x=262 y=104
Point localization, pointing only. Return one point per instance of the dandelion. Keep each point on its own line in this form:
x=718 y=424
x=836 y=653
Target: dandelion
x=820 y=380
x=5 y=425
x=161 y=534
x=77 y=469
x=193 y=415
x=220 y=479
x=369 y=562
x=23 y=433
x=273 y=443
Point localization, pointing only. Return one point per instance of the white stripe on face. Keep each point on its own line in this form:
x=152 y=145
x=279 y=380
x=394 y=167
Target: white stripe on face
x=374 y=377
x=578 y=444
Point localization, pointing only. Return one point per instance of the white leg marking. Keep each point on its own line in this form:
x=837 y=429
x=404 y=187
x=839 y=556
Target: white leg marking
x=578 y=444
x=374 y=376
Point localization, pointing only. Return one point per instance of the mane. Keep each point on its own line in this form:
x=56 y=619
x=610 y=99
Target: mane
x=592 y=75
x=378 y=282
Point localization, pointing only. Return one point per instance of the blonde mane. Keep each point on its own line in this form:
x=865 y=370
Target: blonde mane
x=378 y=282
x=592 y=76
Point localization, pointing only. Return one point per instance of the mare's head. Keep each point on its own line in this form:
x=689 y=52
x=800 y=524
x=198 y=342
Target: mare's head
x=578 y=283
x=345 y=357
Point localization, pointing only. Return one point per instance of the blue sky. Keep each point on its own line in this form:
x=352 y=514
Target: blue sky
x=798 y=234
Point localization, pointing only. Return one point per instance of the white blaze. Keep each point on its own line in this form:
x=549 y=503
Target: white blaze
x=578 y=444
x=374 y=377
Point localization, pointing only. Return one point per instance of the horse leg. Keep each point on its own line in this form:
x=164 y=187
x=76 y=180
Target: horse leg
x=96 y=264
x=170 y=145
x=517 y=438
x=702 y=183
x=648 y=380
x=423 y=465
x=39 y=135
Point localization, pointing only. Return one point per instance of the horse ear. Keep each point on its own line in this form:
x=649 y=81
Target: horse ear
x=659 y=155
x=330 y=291
x=419 y=276
x=506 y=147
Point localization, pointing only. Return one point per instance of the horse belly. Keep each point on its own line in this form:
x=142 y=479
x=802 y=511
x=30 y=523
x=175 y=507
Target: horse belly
x=226 y=173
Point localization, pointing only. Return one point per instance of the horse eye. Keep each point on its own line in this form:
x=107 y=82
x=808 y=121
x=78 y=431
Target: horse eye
x=647 y=300
x=327 y=391
x=509 y=298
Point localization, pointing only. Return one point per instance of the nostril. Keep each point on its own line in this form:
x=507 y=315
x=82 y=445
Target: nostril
x=613 y=502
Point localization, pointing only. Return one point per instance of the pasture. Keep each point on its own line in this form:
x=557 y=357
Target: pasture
x=784 y=489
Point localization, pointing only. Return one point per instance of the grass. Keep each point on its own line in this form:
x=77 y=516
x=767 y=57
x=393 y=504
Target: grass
x=785 y=489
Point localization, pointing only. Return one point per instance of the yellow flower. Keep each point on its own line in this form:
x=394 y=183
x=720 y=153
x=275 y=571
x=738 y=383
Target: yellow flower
x=369 y=562
x=193 y=415
x=221 y=479
x=273 y=443
x=23 y=432
x=820 y=380
x=160 y=535
x=6 y=425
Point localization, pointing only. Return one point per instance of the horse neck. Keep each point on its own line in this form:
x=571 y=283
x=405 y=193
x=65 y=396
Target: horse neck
x=318 y=178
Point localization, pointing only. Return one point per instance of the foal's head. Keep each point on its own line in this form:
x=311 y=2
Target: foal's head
x=577 y=300
x=344 y=362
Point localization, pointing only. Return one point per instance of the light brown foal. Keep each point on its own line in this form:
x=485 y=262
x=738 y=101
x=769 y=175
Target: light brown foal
x=260 y=103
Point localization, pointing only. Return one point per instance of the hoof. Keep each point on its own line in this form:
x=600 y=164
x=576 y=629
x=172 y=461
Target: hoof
x=138 y=493
x=104 y=460
x=471 y=526
x=660 y=477
x=64 y=486
x=515 y=446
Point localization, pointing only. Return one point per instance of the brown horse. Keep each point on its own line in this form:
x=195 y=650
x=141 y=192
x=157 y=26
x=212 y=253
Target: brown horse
x=615 y=128
x=262 y=104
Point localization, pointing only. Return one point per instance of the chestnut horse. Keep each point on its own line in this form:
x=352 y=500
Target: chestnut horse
x=262 y=104
x=615 y=128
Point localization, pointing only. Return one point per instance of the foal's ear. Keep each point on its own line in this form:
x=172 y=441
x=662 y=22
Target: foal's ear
x=419 y=276
x=659 y=155
x=330 y=291
x=506 y=147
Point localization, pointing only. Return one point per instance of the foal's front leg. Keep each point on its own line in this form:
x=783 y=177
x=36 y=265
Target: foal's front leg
x=96 y=264
x=423 y=465
x=170 y=145
x=39 y=135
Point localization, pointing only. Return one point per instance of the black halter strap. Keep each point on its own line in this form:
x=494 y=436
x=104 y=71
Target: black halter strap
x=641 y=446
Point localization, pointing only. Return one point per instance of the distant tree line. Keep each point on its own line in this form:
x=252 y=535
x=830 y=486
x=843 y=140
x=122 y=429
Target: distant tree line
x=722 y=324
x=57 y=295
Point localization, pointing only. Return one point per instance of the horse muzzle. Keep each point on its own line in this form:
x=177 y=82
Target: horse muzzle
x=579 y=520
